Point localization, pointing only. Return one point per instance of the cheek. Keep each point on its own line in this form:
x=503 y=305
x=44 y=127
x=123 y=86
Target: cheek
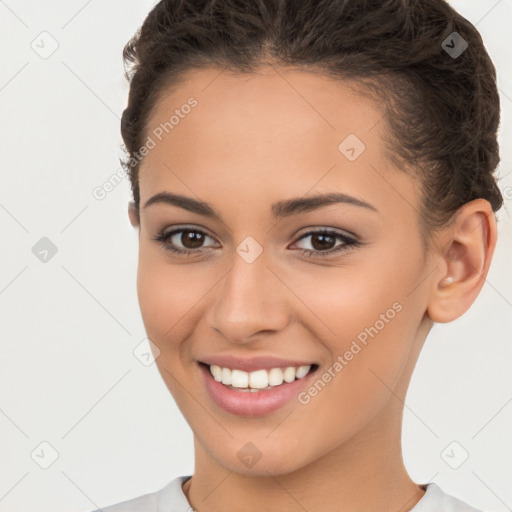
x=372 y=317
x=369 y=336
x=169 y=297
x=341 y=304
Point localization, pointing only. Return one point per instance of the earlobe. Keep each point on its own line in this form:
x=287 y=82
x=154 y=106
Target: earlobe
x=133 y=214
x=446 y=281
x=468 y=245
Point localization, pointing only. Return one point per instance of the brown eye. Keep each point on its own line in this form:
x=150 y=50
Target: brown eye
x=184 y=241
x=191 y=239
x=323 y=243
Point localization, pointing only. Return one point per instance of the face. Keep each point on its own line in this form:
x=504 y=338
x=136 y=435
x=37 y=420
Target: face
x=338 y=286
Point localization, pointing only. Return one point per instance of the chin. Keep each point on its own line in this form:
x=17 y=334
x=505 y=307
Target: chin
x=260 y=458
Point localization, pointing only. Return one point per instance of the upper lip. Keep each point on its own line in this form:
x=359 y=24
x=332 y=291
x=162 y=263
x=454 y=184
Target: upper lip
x=253 y=363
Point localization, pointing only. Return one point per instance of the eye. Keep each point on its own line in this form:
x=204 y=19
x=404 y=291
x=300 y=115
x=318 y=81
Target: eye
x=323 y=240
x=190 y=238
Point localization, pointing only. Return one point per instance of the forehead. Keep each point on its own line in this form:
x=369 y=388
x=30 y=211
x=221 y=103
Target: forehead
x=288 y=128
x=290 y=104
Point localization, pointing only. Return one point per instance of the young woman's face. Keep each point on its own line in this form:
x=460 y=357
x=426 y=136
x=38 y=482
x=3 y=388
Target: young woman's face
x=353 y=306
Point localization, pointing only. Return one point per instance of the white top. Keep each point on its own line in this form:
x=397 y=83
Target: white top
x=171 y=498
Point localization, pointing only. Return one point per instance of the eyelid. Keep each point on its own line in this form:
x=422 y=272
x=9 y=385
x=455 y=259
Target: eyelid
x=326 y=229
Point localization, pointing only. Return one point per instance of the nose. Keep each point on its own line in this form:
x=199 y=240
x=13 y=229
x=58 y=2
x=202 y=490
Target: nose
x=249 y=301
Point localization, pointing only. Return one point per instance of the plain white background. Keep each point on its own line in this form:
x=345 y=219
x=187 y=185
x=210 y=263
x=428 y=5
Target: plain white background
x=68 y=374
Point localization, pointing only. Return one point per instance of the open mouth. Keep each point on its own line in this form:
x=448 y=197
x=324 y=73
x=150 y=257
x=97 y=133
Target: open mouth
x=258 y=380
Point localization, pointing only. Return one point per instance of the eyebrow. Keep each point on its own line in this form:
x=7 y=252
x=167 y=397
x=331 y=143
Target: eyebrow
x=280 y=209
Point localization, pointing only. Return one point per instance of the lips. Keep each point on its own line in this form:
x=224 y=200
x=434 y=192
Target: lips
x=253 y=402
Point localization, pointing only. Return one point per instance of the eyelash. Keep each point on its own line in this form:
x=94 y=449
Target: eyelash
x=348 y=242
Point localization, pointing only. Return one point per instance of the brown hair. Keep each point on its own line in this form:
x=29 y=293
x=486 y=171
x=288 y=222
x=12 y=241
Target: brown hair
x=442 y=110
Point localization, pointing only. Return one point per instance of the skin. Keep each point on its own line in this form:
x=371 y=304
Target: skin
x=282 y=128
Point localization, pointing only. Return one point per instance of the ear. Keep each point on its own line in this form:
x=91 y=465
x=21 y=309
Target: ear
x=464 y=252
x=133 y=214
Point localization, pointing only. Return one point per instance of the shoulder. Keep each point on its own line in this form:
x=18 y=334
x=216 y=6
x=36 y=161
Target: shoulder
x=147 y=502
x=169 y=498
x=436 y=500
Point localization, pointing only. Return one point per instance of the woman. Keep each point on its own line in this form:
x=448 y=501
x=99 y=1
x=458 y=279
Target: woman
x=313 y=188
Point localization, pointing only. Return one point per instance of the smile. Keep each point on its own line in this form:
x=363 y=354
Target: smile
x=257 y=380
x=258 y=392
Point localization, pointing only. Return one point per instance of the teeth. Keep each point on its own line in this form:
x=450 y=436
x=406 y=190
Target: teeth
x=275 y=377
x=216 y=371
x=226 y=376
x=239 y=379
x=289 y=374
x=259 y=379
x=302 y=371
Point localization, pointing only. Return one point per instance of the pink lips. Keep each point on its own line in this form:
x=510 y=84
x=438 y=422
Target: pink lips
x=248 y=403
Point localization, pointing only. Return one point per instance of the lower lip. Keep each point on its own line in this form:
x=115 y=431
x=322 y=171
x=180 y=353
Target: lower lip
x=251 y=403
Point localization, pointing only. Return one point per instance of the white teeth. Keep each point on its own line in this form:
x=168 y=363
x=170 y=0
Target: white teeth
x=275 y=377
x=259 y=379
x=239 y=379
x=289 y=374
x=302 y=371
x=226 y=376
x=216 y=371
